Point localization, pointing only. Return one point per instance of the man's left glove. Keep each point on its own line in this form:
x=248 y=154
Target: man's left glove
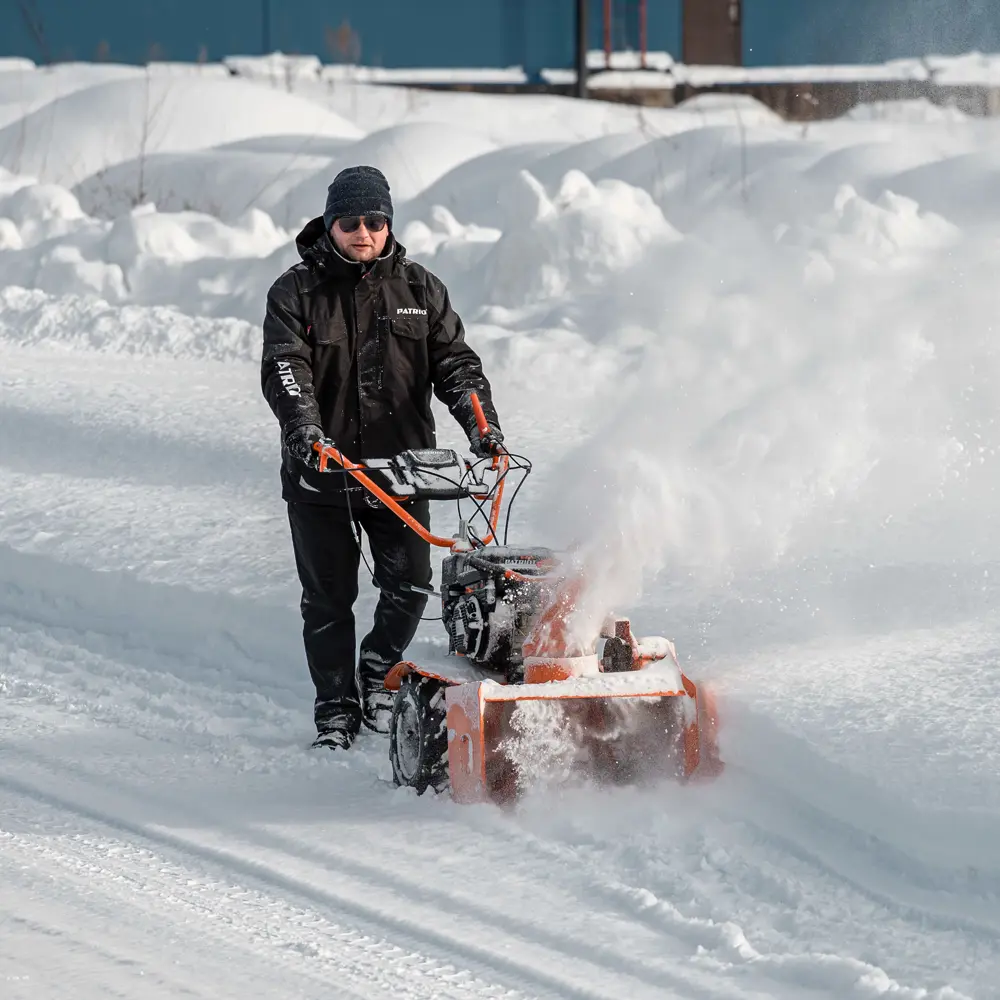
x=487 y=445
x=299 y=445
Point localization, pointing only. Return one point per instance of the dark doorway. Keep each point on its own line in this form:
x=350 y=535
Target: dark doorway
x=713 y=32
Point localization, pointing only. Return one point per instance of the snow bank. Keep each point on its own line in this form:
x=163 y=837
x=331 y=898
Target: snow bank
x=728 y=109
x=199 y=70
x=24 y=91
x=969 y=70
x=286 y=175
x=185 y=259
x=186 y=236
x=63 y=143
x=454 y=247
x=40 y=210
x=415 y=156
x=32 y=318
x=275 y=67
x=963 y=188
x=220 y=182
x=582 y=238
x=11 y=64
x=912 y=111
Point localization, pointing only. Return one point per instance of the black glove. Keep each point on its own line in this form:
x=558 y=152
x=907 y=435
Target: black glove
x=487 y=445
x=299 y=445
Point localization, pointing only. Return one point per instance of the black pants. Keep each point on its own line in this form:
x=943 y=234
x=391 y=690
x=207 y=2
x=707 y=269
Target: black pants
x=327 y=557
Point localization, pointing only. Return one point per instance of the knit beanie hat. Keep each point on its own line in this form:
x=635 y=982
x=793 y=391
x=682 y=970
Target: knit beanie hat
x=357 y=191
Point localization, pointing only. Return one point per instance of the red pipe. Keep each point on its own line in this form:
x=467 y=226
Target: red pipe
x=607 y=34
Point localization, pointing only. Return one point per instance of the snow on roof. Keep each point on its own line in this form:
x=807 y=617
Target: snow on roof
x=424 y=75
x=11 y=64
x=628 y=59
x=973 y=69
x=188 y=69
x=918 y=110
x=970 y=70
x=678 y=74
x=638 y=79
x=274 y=64
x=624 y=71
x=708 y=76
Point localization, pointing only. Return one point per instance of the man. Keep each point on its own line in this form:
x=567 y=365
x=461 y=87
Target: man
x=356 y=337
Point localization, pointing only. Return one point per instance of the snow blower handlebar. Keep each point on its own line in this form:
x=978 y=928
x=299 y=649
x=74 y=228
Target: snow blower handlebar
x=500 y=462
x=328 y=453
x=481 y=422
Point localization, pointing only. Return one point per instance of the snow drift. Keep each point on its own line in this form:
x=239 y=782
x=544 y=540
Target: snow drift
x=75 y=136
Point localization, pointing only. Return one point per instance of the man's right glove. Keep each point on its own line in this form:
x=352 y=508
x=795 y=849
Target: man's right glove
x=486 y=445
x=299 y=445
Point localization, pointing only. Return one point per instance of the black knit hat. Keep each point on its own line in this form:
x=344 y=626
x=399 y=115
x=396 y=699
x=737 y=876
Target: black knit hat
x=357 y=191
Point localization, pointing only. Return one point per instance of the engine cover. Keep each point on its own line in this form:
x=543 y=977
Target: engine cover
x=489 y=599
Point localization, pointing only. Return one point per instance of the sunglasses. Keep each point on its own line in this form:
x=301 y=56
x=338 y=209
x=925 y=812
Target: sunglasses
x=374 y=223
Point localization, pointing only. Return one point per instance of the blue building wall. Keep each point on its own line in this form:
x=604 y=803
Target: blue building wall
x=785 y=32
x=458 y=33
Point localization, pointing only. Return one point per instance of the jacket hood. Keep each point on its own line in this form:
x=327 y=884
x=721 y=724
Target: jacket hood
x=317 y=249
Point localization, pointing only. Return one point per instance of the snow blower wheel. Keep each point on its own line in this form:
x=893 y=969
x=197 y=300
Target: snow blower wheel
x=418 y=735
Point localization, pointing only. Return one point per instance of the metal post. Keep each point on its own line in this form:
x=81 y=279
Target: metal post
x=642 y=33
x=581 y=48
x=607 y=33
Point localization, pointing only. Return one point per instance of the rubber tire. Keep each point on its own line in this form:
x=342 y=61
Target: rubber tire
x=419 y=706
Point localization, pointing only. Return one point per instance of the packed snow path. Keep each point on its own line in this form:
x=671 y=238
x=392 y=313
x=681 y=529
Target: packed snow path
x=163 y=829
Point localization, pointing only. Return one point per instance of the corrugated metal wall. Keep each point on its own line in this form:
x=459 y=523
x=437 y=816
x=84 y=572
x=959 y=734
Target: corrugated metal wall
x=453 y=33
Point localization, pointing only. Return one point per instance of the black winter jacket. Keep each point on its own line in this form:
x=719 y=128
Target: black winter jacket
x=357 y=349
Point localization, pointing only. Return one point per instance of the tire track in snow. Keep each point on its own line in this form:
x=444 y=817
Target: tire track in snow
x=525 y=965
x=409 y=894
x=99 y=923
x=412 y=895
x=720 y=940
x=91 y=853
x=880 y=870
x=630 y=971
x=715 y=960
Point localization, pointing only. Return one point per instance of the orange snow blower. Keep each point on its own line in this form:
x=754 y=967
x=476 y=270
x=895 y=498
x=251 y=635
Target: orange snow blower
x=519 y=699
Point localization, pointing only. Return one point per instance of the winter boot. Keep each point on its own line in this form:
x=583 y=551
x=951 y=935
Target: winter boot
x=377 y=707
x=336 y=731
x=376 y=702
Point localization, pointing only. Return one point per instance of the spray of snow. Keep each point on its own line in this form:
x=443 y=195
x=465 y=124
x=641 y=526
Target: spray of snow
x=540 y=747
x=736 y=427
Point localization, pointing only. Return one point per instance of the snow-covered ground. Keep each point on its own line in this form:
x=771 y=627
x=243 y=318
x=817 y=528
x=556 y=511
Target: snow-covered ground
x=755 y=365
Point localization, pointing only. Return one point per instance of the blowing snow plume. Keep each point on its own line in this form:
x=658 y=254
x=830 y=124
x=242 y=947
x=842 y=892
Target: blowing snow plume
x=797 y=392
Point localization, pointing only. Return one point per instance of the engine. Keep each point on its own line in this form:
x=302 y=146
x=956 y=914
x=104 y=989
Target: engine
x=489 y=599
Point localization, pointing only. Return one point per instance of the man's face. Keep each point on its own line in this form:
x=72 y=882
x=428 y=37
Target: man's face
x=361 y=243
